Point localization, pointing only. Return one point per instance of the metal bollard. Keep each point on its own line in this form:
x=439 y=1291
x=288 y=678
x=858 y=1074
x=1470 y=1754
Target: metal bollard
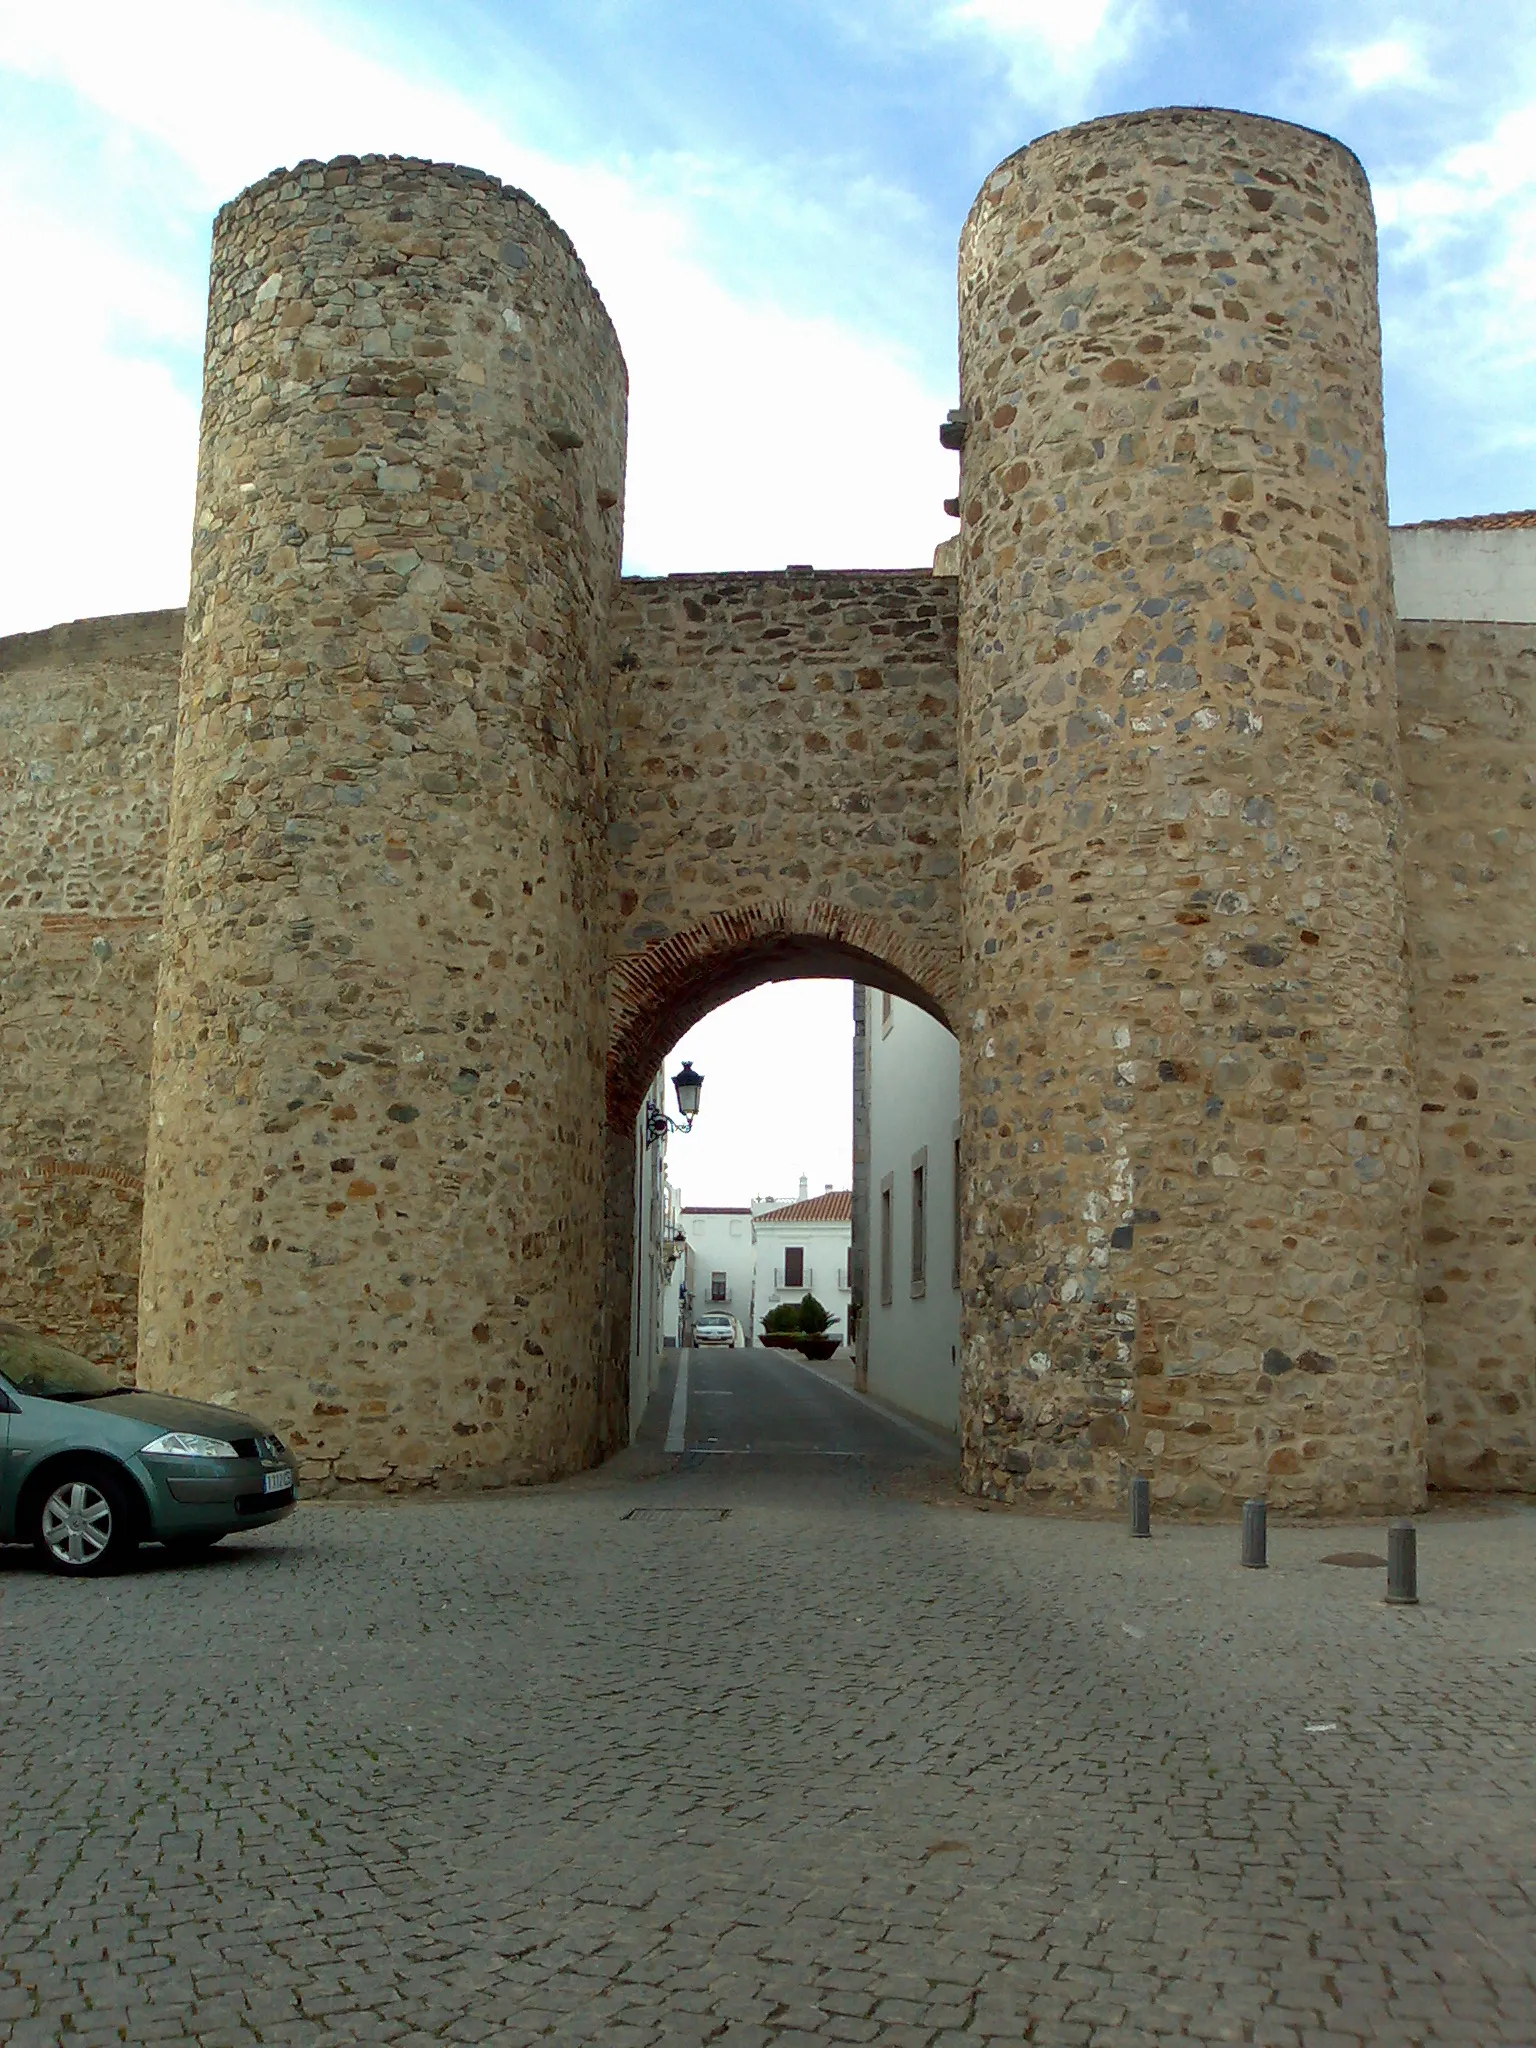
x=1255 y=1535
x=1141 y=1507
x=1402 y=1565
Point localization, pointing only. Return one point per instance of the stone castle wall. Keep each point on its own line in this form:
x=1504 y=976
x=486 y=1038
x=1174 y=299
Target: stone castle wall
x=373 y=1196
x=1128 y=810
x=1186 y=1067
x=88 y=713
x=1468 y=697
x=90 y=710
x=782 y=792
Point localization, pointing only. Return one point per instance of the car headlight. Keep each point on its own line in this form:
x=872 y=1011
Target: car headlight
x=177 y=1444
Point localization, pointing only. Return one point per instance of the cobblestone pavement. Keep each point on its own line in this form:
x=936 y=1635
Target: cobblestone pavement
x=786 y=1750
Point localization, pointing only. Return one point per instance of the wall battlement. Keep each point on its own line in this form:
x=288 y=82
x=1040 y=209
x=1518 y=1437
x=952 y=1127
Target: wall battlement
x=345 y=920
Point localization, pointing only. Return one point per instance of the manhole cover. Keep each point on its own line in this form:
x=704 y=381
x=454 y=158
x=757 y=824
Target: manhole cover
x=704 y=1514
x=1357 y=1560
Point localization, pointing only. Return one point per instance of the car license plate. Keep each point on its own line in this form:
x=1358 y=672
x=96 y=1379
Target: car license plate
x=277 y=1482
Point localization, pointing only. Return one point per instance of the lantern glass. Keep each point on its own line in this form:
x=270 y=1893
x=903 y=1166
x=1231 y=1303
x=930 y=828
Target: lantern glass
x=687 y=1084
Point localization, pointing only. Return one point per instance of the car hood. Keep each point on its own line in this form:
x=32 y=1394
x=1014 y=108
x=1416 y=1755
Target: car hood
x=159 y=1412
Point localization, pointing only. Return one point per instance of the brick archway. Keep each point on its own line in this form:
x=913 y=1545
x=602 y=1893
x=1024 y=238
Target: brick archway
x=655 y=995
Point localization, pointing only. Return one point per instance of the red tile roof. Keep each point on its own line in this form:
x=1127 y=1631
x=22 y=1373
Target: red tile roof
x=836 y=1207
x=1479 y=522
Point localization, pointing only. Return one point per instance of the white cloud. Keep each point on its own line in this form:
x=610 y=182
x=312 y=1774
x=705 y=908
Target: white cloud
x=758 y=436
x=1052 y=49
x=1461 y=236
x=1391 y=61
x=101 y=442
x=1468 y=187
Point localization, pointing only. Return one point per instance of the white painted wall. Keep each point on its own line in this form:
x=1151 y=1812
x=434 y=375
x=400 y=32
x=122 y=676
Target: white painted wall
x=1465 y=572
x=826 y=1268
x=674 y=1280
x=720 y=1241
x=652 y=1261
x=914 y=1109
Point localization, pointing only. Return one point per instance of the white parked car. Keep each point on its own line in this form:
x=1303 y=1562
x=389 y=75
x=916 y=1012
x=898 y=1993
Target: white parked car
x=716 y=1329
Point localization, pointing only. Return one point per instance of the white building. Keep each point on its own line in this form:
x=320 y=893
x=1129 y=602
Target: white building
x=906 y=1171
x=657 y=1254
x=719 y=1264
x=802 y=1248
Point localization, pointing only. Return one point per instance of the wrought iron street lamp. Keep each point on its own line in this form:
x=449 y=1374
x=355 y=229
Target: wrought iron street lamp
x=686 y=1085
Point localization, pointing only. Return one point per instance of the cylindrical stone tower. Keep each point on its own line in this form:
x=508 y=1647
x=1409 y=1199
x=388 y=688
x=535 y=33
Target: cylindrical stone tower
x=1186 y=1087
x=374 y=1203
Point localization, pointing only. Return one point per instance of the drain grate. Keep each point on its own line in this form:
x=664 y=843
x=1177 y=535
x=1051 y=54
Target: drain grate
x=1357 y=1560
x=701 y=1514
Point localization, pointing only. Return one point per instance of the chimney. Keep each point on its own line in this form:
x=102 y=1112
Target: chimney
x=805 y=1187
x=826 y=1188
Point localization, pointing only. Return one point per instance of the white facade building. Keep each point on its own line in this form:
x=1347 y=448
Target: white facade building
x=719 y=1268
x=906 y=1154
x=802 y=1248
x=657 y=1255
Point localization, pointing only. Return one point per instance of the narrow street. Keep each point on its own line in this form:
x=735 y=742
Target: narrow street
x=768 y=1742
x=754 y=1402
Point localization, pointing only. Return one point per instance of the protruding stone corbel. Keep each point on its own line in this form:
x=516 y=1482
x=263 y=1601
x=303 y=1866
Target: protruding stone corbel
x=953 y=432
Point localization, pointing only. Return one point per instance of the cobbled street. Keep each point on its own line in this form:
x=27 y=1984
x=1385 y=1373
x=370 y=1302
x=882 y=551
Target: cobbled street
x=775 y=1740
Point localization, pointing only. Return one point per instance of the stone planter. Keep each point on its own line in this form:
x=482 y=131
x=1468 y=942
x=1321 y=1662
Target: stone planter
x=779 y=1340
x=817 y=1347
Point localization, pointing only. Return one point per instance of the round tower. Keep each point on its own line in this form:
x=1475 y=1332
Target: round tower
x=1188 y=1109
x=374 y=1193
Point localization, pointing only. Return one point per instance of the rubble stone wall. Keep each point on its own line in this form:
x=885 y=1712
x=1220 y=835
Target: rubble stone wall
x=374 y=1191
x=465 y=832
x=1468 y=698
x=782 y=795
x=1187 y=1098
x=88 y=714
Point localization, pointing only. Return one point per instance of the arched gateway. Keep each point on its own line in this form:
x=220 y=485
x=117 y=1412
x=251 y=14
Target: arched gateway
x=465 y=829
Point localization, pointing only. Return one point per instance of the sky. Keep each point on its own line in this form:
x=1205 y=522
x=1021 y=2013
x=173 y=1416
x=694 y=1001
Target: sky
x=768 y=198
x=777 y=1100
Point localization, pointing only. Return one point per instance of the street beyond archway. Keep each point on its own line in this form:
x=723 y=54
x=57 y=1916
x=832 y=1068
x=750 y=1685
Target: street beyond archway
x=780 y=1745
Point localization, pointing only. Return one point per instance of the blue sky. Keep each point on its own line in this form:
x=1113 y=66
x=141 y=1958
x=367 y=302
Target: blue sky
x=769 y=198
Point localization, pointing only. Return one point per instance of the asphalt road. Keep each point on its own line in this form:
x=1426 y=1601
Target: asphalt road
x=769 y=1403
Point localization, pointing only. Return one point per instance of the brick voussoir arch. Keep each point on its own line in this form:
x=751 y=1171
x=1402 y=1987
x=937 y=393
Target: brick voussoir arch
x=654 y=995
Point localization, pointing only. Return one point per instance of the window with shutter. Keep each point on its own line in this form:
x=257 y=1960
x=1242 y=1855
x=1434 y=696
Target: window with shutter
x=920 y=1223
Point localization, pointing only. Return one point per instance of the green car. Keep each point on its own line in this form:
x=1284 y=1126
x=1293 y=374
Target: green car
x=90 y=1469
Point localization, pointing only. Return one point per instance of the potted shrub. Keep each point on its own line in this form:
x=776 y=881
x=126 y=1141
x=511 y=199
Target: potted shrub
x=816 y=1340
x=781 y=1327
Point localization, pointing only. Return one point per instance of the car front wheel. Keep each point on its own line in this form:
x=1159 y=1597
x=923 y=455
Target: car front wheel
x=85 y=1524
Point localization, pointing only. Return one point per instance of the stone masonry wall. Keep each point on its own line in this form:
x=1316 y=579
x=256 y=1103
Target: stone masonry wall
x=373 y=1197
x=438 y=774
x=87 y=714
x=1468 y=698
x=1186 y=1089
x=782 y=795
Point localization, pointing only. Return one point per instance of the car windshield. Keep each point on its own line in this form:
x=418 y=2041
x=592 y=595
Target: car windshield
x=37 y=1366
